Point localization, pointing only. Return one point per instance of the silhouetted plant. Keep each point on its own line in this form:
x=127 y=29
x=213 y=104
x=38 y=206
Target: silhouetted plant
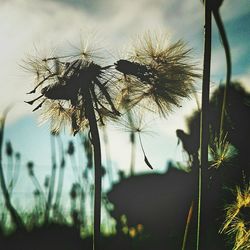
x=38 y=188
x=53 y=136
x=71 y=153
x=79 y=179
x=157 y=76
x=9 y=154
x=14 y=214
x=81 y=92
x=46 y=184
x=190 y=147
x=74 y=194
x=210 y=7
x=61 y=174
x=16 y=172
x=77 y=91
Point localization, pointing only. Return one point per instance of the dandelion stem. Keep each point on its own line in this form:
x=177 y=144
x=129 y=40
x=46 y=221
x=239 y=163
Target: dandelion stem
x=133 y=145
x=52 y=180
x=225 y=44
x=61 y=174
x=90 y=114
x=14 y=215
x=15 y=174
x=38 y=186
x=204 y=131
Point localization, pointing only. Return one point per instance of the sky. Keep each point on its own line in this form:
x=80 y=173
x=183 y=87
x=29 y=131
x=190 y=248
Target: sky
x=28 y=27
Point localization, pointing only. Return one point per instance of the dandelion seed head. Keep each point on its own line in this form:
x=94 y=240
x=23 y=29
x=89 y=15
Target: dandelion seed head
x=64 y=84
x=158 y=76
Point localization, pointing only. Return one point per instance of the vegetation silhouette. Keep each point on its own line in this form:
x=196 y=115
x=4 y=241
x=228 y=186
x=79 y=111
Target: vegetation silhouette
x=175 y=210
x=152 y=210
x=237 y=111
x=136 y=197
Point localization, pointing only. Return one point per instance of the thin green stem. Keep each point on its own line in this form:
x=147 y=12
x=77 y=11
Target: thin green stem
x=204 y=132
x=133 y=144
x=38 y=186
x=61 y=174
x=199 y=210
x=225 y=44
x=132 y=157
x=16 y=174
x=52 y=180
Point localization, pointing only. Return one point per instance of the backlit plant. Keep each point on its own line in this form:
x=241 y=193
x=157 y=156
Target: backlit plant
x=80 y=92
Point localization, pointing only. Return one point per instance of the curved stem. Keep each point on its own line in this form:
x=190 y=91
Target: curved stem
x=15 y=174
x=204 y=131
x=90 y=114
x=14 y=214
x=225 y=44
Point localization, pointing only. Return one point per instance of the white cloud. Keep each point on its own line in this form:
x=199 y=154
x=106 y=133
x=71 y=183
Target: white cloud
x=24 y=24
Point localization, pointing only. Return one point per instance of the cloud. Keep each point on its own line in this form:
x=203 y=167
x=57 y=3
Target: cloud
x=29 y=24
x=54 y=24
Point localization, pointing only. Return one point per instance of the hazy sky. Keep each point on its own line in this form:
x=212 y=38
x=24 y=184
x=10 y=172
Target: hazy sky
x=26 y=25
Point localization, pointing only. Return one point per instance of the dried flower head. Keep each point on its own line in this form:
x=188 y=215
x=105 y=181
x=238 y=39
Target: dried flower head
x=237 y=224
x=30 y=167
x=221 y=152
x=46 y=181
x=9 y=149
x=71 y=148
x=68 y=85
x=157 y=76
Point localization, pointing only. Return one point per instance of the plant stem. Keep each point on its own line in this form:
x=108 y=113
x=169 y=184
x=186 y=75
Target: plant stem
x=225 y=44
x=38 y=187
x=95 y=139
x=52 y=180
x=14 y=215
x=108 y=155
x=190 y=212
x=61 y=175
x=204 y=132
x=133 y=144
